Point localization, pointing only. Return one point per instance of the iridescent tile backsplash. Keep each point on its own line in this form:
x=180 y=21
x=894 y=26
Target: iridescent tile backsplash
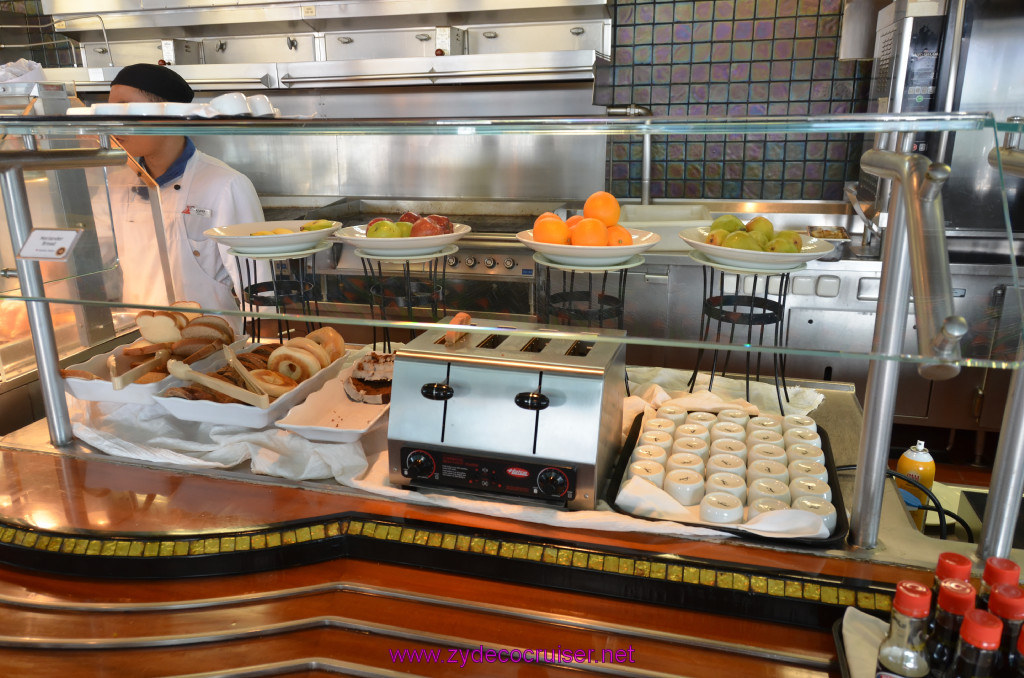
x=734 y=58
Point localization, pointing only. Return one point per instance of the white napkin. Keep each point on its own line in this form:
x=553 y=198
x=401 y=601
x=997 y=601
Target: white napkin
x=762 y=393
x=21 y=70
x=862 y=634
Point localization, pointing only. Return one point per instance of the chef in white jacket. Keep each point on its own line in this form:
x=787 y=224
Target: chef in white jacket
x=197 y=192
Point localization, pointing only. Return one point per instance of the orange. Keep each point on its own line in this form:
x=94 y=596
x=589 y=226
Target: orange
x=551 y=230
x=589 y=233
x=617 y=235
x=602 y=206
x=546 y=215
x=573 y=220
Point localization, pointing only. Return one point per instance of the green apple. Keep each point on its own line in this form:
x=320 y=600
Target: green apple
x=793 y=237
x=716 y=237
x=741 y=240
x=384 y=229
x=318 y=225
x=782 y=246
x=761 y=224
x=727 y=223
x=760 y=237
x=405 y=228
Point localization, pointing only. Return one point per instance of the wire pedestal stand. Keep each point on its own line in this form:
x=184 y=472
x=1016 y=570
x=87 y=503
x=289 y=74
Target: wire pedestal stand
x=290 y=283
x=390 y=292
x=588 y=295
x=749 y=305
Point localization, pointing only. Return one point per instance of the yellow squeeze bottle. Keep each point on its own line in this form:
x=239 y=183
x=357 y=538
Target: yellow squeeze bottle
x=918 y=464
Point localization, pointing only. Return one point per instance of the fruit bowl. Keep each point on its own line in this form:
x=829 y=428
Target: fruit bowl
x=240 y=237
x=580 y=255
x=812 y=249
x=399 y=247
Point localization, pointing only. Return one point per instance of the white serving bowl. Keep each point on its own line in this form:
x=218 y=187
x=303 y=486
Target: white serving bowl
x=399 y=247
x=239 y=237
x=812 y=249
x=580 y=255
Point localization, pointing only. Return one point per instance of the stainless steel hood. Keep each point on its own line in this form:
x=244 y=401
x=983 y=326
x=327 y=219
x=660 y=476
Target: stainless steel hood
x=245 y=44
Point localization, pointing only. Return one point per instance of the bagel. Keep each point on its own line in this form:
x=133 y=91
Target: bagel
x=252 y=361
x=312 y=347
x=274 y=383
x=265 y=349
x=330 y=340
x=294 y=362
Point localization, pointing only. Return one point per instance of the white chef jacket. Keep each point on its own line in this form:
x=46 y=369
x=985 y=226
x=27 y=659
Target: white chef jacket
x=208 y=194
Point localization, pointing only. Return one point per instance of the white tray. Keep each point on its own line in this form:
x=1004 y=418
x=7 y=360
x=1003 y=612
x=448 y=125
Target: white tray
x=246 y=416
x=102 y=389
x=330 y=416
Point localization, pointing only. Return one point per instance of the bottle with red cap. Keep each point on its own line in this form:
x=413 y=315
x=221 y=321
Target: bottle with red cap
x=978 y=648
x=950 y=566
x=902 y=652
x=956 y=598
x=1007 y=603
x=997 y=571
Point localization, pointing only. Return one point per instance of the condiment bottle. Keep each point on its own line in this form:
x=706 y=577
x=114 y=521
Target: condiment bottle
x=956 y=598
x=1007 y=603
x=978 y=648
x=916 y=463
x=949 y=566
x=997 y=571
x=902 y=652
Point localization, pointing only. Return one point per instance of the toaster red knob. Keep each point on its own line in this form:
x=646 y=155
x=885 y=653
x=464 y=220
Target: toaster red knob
x=552 y=482
x=420 y=464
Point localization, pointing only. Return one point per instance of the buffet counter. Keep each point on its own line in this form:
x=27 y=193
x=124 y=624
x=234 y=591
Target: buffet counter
x=280 y=555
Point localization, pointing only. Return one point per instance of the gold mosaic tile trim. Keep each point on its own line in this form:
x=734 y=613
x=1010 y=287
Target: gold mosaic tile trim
x=562 y=556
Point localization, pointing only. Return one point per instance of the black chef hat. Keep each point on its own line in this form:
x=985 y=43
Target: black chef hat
x=157 y=80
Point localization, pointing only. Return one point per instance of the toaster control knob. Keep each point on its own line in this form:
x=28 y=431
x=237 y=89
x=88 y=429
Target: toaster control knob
x=552 y=482
x=532 y=401
x=420 y=464
x=470 y=262
x=452 y=260
x=436 y=391
x=489 y=262
x=509 y=262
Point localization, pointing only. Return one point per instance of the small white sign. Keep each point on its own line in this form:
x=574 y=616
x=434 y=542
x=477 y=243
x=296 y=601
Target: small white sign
x=50 y=244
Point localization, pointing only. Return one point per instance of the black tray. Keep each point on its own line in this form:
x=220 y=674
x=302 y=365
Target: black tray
x=837 y=537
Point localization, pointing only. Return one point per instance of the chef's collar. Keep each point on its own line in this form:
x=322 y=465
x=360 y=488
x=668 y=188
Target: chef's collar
x=177 y=167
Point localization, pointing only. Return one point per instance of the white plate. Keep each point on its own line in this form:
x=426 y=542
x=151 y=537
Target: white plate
x=237 y=236
x=635 y=260
x=772 y=261
x=443 y=252
x=399 y=247
x=298 y=254
x=592 y=256
x=702 y=258
x=329 y=416
x=247 y=416
x=102 y=389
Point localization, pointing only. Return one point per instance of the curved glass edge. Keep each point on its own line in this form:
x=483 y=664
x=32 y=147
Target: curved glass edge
x=595 y=335
x=854 y=122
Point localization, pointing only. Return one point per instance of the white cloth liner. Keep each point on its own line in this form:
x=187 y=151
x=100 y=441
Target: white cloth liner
x=148 y=433
x=862 y=635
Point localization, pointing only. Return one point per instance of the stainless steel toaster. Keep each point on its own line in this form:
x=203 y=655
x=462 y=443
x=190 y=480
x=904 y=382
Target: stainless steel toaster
x=531 y=418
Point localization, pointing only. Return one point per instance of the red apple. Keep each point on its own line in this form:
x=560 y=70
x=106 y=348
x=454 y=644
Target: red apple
x=443 y=222
x=411 y=217
x=375 y=220
x=424 y=226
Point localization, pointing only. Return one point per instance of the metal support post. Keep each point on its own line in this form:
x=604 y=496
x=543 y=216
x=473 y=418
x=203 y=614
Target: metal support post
x=883 y=375
x=1004 y=496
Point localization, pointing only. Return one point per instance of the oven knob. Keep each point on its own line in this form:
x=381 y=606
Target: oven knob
x=452 y=260
x=420 y=464
x=509 y=262
x=470 y=262
x=552 y=482
x=489 y=262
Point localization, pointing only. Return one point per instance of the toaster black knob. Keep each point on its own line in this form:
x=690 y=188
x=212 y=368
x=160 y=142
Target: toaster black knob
x=532 y=401
x=436 y=391
x=420 y=464
x=552 y=482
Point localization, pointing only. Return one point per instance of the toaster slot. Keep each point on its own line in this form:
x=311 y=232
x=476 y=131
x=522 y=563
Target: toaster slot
x=536 y=345
x=493 y=341
x=580 y=348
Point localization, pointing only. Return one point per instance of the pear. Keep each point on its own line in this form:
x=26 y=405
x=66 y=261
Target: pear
x=793 y=237
x=761 y=238
x=741 y=240
x=782 y=246
x=727 y=223
x=761 y=224
x=716 y=237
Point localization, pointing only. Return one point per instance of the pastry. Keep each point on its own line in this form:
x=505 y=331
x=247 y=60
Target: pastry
x=370 y=381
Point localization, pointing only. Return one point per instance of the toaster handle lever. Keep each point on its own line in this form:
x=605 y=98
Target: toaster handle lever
x=437 y=391
x=532 y=401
